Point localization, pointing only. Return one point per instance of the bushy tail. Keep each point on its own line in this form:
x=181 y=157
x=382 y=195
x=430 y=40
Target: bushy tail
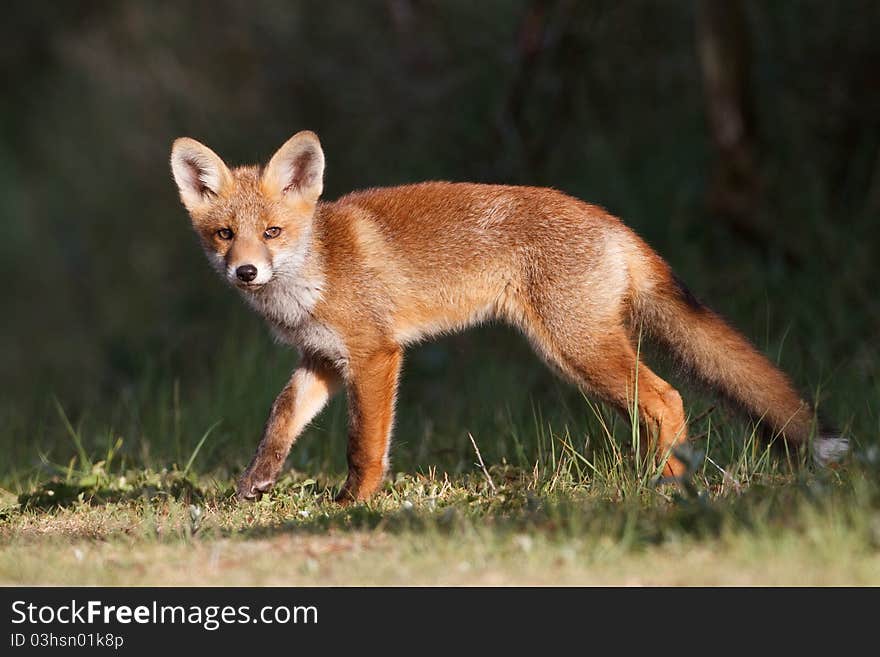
x=722 y=359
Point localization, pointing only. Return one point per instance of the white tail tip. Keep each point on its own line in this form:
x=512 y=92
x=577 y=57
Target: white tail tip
x=830 y=449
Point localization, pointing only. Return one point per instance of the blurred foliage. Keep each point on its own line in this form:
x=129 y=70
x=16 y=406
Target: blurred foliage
x=107 y=301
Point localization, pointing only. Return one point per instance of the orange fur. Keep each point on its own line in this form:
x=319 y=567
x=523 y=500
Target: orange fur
x=352 y=282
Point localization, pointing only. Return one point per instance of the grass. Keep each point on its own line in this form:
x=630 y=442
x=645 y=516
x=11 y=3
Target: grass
x=518 y=497
x=163 y=528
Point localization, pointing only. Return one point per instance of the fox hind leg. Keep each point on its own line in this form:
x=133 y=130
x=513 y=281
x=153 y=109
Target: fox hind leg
x=610 y=370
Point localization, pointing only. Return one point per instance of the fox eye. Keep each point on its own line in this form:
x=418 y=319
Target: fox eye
x=224 y=234
x=271 y=233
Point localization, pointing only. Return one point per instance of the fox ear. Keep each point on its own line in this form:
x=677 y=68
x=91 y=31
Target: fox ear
x=296 y=171
x=199 y=172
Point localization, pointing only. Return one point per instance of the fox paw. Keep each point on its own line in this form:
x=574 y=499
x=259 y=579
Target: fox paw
x=251 y=486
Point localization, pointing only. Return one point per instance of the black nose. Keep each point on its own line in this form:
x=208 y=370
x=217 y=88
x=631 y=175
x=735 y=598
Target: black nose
x=246 y=273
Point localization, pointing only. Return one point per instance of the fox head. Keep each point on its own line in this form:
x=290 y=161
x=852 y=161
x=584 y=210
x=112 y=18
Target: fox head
x=254 y=224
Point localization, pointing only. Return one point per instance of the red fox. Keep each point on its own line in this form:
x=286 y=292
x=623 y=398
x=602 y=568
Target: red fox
x=351 y=283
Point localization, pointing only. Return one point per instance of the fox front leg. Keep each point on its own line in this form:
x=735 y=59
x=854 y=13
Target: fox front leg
x=311 y=385
x=372 y=389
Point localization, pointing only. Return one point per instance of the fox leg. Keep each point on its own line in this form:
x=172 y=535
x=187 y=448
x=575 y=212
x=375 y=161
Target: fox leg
x=311 y=385
x=661 y=409
x=372 y=390
x=610 y=369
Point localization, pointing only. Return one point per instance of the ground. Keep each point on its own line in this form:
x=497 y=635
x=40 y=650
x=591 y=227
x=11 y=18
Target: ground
x=559 y=524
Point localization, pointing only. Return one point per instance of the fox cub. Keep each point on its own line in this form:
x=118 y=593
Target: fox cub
x=351 y=283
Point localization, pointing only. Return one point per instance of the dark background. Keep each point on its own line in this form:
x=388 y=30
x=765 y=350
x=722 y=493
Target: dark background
x=741 y=139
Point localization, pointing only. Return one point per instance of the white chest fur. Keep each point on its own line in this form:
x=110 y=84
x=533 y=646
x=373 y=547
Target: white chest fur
x=287 y=305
